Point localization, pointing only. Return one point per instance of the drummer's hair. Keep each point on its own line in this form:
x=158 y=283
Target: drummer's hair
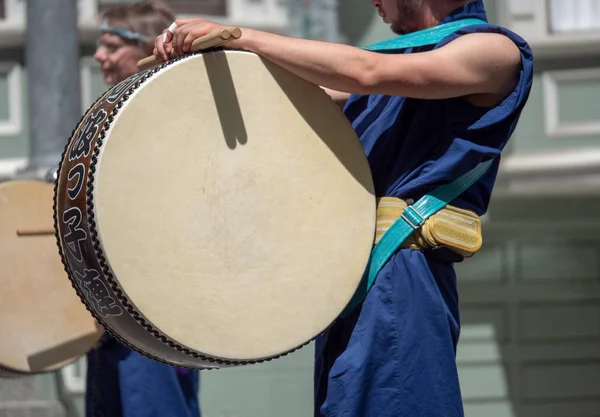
x=147 y=18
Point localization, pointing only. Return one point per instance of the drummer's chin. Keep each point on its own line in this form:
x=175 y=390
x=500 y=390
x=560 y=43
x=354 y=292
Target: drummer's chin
x=113 y=78
x=394 y=27
x=398 y=30
x=110 y=79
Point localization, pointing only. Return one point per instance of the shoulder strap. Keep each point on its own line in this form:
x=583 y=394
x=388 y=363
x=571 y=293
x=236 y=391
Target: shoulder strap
x=423 y=37
x=412 y=218
x=415 y=215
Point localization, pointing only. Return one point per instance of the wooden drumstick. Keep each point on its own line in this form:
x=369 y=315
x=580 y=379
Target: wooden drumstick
x=35 y=232
x=211 y=40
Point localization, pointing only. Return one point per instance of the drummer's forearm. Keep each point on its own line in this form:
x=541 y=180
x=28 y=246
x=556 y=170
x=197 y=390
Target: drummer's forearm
x=334 y=66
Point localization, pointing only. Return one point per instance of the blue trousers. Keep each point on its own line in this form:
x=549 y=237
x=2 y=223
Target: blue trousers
x=395 y=356
x=124 y=383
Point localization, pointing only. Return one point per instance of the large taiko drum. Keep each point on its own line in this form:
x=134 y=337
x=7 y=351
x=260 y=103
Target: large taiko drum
x=43 y=324
x=215 y=210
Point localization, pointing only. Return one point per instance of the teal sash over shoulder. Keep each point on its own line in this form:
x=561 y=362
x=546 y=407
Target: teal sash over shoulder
x=423 y=37
x=415 y=215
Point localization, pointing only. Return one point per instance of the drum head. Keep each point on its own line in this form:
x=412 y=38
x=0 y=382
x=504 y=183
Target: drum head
x=234 y=205
x=43 y=323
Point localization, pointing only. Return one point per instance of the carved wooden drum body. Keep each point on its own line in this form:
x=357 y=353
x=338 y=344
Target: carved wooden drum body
x=43 y=325
x=215 y=211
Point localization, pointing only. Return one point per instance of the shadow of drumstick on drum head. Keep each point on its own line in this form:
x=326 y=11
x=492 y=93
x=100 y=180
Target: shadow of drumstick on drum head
x=226 y=101
x=328 y=122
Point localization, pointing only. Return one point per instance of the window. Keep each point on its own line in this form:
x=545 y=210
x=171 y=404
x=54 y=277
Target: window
x=182 y=7
x=204 y=7
x=270 y=15
x=568 y=16
x=554 y=28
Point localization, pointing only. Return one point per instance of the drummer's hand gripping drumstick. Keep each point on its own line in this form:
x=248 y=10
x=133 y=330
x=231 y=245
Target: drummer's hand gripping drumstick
x=210 y=40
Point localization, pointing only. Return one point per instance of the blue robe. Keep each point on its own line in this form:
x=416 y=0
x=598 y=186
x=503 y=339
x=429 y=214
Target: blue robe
x=395 y=355
x=124 y=383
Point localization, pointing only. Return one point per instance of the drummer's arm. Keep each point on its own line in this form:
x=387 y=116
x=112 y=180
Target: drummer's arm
x=482 y=64
x=485 y=65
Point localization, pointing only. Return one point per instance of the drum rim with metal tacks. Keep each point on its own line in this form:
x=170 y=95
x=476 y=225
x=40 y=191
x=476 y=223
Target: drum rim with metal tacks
x=336 y=142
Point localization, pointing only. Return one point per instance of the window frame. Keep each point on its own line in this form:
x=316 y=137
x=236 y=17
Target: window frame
x=531 y=20
x=188 y=7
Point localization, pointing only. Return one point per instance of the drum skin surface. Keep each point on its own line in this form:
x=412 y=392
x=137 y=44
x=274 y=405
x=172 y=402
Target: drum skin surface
x=215 y=211
x=43 y=324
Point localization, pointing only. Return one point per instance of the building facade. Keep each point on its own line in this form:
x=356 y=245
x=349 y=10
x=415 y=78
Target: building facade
x=530 y=300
